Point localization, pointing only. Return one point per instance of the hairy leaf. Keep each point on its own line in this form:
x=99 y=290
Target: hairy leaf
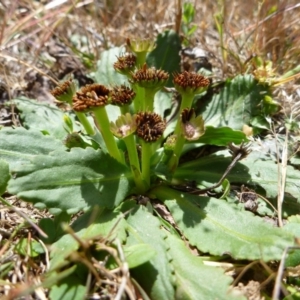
x=106 y=73
x=70 y=287
x=240 y=101
x=257 y=169
x=20 y=146
x=4 y=176
x=155 y=276
x=216 y=227
x=92 y=225
x=138 y=254
x=44 y=117
x=193 y=278
x=72 y=181
x=166 y=54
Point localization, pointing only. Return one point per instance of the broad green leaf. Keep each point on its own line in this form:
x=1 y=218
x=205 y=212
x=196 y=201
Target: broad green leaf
x=92 y=225
x=240 y=101
x=68 y=288
x=138 y=254
x=217 y=136
x=43 y=116
x=163 y=103
x=257 y=169
x=155 y=276
x=106 y=73
x=20 y=146
x=193 y=278
x=216 y=227
x=293 y=227
x=166 y=54
x=52 y=227
x=4 y=175
x=221 y=136
x=72 y=181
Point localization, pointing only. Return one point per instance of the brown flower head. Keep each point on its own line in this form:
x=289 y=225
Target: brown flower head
x=149 y=77
x=242 y=150
x=192 y=126
x=189 y=82
x=65 y=91
x=90 y=96
x=150 y=126
x=125 y=63
x=122 y=95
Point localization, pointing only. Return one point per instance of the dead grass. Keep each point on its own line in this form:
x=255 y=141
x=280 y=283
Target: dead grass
x=35 y=35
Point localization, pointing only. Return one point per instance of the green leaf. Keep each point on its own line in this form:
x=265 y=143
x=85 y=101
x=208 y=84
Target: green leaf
x=52 y=227
x=70 y=287
x=43 y=116
x=188 y=12
x=257 y=169
x=72 y=181
x=240 y=101
x=162 y=103
x=20 y=146
x=216 y=227
x=30 y=248
x=106 y=73
x=138 y=254
x=4 y=176
x=221 y=136
x=193 y=278
x=293 y=227
x=166 y=54
x=93 y=224
x=155 y=276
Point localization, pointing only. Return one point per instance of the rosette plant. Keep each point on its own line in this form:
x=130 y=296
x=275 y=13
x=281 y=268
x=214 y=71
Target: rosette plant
x=142 y=155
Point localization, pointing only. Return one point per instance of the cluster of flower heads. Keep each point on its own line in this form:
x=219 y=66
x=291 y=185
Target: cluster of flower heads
x=148 y=125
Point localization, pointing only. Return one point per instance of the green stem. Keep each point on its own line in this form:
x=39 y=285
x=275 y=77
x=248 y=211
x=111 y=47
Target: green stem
x=139 y=98
x=140 y=58
x=186 y=102
x=124 y=109
x=164 y=193
x=104 y=127
x=146 y=156
x=85 y=123
x=135 y=163
x=174 y=160
x=148 y=104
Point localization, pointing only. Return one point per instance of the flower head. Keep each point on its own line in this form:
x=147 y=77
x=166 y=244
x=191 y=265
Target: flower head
x=170 y=143
x=265 y=73
x=140 y=45
x=150 y=126
x=189 y=82
x=125 y=63
x=90 y=96
x=122 y=95
x=124 y=126
x=150 y=77
x=192 y=126
x=64 y=92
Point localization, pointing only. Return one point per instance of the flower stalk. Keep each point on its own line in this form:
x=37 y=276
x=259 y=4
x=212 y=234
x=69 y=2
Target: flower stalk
x=123 y=128
x=191 y=129
x=85 y=123
x=103 y=125
x=150 y=127
x=134 y=162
